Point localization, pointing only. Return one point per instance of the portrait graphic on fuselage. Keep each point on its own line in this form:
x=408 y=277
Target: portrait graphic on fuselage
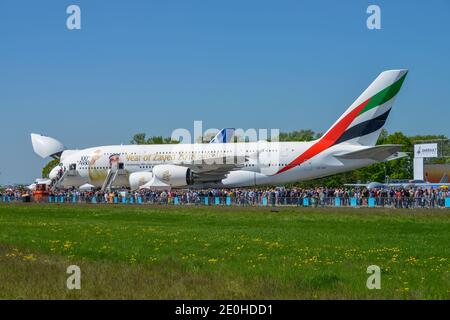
x=96 y=171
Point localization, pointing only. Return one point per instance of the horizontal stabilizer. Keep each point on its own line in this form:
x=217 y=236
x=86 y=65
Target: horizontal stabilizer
x=377 y=153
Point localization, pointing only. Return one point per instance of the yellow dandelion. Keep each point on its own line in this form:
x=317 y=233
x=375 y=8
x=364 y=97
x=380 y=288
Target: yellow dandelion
x=29 y=257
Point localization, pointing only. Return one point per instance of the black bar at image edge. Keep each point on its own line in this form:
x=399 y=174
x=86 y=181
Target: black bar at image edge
x=221 y=309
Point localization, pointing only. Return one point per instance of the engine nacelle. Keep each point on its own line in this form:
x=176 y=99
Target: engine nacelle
x=175 y=176
x=138 y=179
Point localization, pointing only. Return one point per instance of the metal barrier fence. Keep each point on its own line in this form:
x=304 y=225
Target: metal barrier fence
x=301 y=201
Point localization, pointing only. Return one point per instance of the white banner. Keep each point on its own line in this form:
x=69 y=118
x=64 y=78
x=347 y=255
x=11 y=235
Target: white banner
x=427 y=150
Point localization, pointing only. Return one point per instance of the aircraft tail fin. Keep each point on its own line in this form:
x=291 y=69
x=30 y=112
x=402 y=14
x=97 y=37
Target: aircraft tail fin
x=223 y=136
x=362 y=122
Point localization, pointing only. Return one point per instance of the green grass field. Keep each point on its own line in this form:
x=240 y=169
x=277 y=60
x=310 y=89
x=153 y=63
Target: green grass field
x=156 y=252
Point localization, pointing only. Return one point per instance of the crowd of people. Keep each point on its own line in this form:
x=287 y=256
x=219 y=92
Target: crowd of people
x=413 y=197
x=14 y=194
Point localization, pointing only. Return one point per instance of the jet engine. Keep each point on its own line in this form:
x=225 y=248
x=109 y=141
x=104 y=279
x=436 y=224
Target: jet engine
x=138 y=179
x=175 y=176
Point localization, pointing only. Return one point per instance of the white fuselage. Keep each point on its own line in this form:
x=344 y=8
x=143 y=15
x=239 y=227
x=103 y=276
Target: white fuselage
x=263 y=161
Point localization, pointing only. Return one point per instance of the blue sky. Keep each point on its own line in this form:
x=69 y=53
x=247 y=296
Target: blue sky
x=153 y=66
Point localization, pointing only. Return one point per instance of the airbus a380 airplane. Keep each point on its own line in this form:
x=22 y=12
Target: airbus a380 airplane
x=349 y=144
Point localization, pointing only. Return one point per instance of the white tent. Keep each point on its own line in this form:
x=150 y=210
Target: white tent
x=86 y=187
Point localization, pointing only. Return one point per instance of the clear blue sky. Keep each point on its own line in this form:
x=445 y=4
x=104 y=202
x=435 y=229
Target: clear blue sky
x=152 y=66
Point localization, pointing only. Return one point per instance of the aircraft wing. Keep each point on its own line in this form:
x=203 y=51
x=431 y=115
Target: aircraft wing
x=378 y=153
x=431 y=185
x=214 y=169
